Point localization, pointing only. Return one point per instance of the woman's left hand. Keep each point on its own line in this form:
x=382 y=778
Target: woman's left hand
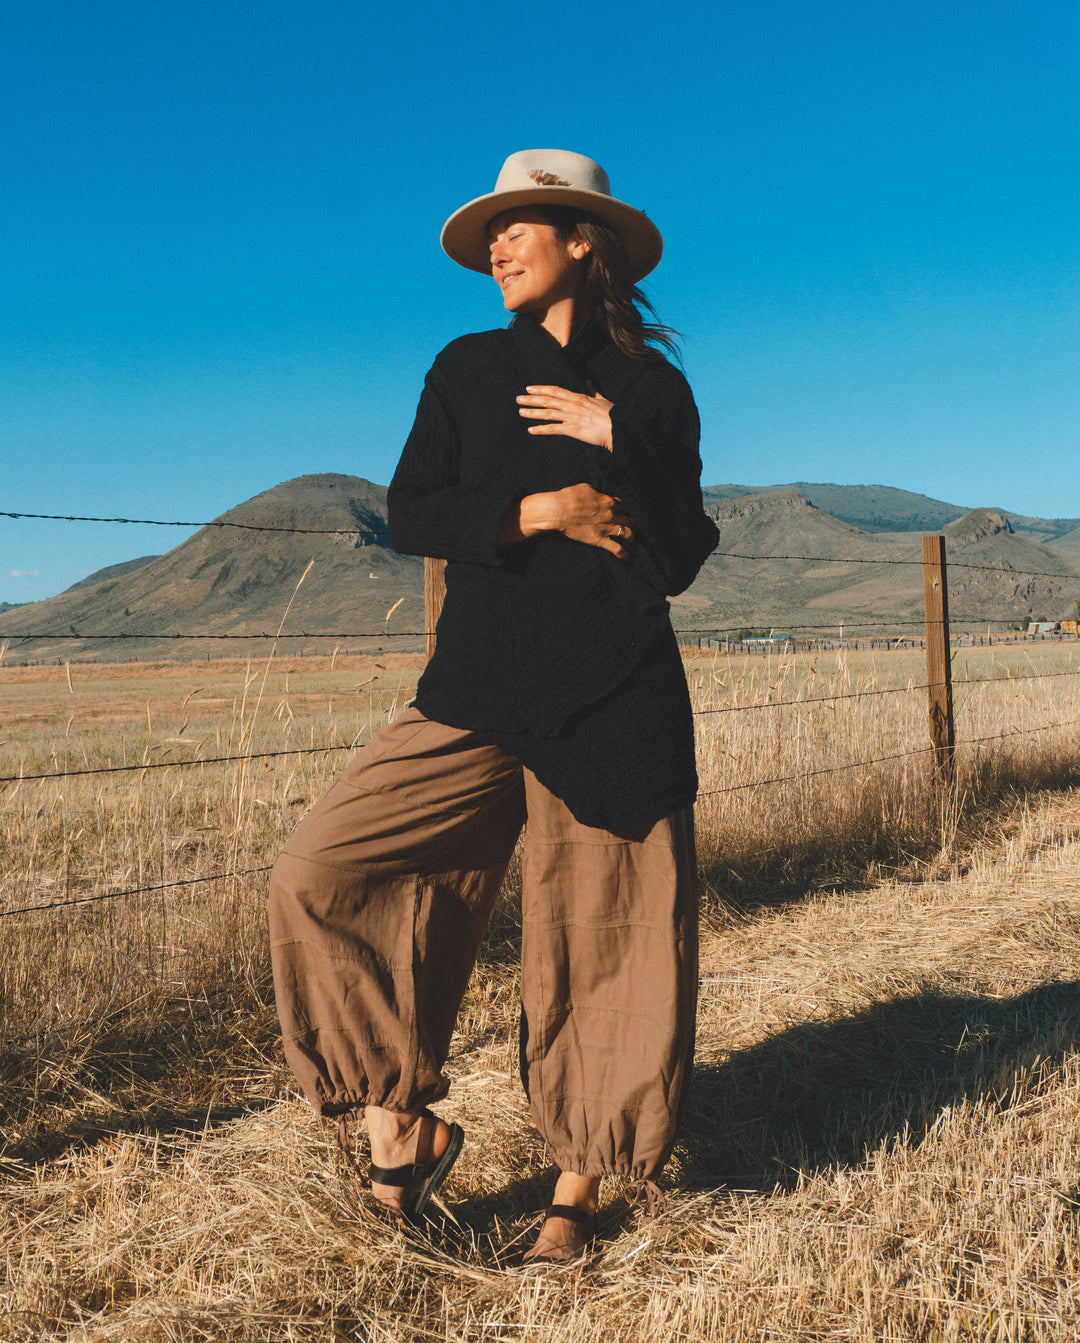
x=573 y=414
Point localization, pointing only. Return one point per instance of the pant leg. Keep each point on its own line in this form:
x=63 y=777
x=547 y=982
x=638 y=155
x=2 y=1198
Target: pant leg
x=377 y=907
x=609 y=986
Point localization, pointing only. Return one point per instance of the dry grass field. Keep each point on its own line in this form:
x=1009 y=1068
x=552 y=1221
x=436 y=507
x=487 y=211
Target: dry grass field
x=881 y=1141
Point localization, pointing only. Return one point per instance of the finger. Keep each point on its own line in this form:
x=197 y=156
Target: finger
x=543 y=403
x=548 y=413
x=554 y=397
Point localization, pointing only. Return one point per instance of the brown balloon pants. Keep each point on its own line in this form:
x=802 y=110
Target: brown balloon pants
x=378 y=904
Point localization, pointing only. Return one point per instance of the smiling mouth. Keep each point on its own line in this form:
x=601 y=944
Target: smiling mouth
x=509 y=279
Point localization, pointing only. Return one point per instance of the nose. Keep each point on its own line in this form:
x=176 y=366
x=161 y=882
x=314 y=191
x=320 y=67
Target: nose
x=499 y=255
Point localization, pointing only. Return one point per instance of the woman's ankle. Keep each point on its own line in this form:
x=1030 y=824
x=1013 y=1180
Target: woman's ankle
x=580 y=1191
x=391 y=1134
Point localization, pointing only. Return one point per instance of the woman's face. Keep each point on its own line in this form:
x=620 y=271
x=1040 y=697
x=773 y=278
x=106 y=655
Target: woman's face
x=533 y=268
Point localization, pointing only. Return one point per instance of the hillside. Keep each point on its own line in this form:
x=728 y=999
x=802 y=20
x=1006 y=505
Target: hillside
x=733 y=591
x=1068 y=543
x=882 y=582
x=987 y=537
x=871 y=508
x=111 y=571
x=238 y=579
x=238 y=575
x=882 y=508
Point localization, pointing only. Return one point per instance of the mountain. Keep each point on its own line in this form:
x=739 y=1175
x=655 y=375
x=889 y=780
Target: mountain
x=987 y=537
x=803 y=587
x=782 y=563
x=238 y=575
x=111 y=571
x=792 y=588
x=881 y=508
x=1068 y=542
x=871 y=508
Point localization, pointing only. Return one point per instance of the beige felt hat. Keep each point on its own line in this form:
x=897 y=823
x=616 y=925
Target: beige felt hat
x=550 y=177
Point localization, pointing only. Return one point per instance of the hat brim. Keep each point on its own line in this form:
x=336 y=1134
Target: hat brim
x=465 y=239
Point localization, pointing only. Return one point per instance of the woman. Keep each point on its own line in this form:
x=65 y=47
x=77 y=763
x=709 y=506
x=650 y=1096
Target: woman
x=555 y=466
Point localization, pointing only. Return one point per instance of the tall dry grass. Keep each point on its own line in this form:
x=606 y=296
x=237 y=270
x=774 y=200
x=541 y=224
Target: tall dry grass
x=880 y=1141
x=785 y=802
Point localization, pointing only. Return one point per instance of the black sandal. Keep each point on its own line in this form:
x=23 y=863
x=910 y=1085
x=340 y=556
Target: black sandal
x=423 y=1178
x=563 y=1254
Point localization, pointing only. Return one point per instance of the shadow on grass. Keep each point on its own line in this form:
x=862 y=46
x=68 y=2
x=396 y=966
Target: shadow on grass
x=817 y=1097
x=823 y=1094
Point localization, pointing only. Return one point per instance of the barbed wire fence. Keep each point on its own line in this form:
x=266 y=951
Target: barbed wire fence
x=733 y=639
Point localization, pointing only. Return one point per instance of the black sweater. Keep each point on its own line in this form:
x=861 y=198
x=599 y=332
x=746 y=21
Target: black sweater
x=561 y=652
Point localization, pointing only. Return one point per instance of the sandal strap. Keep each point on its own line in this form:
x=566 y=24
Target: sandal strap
x=586 y=1220
x=399 y=1177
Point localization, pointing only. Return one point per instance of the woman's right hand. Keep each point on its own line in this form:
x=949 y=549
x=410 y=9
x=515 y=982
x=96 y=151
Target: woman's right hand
x=578 y=511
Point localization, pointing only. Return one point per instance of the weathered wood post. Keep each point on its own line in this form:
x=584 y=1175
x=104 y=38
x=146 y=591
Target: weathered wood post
x=434 y=596
x=938 y=662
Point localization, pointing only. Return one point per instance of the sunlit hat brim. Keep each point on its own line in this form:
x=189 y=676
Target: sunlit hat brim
x=465 y=237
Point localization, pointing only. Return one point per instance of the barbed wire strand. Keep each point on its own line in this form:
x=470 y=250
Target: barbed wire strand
x=1004 y=680
x=138 y=890
x=371 y=531
x=887 y=690
x=697 y=713
x=855 y=559
x=217 y=522
x=320 y=750
x=798 y=703
x=126 y=634
x=686 y=632
x=713 y=792
x=883 y=759
x=173 y=764
x=885 y=625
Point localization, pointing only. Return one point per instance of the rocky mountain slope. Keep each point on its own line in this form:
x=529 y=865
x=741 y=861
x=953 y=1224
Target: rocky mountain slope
x=239 y=579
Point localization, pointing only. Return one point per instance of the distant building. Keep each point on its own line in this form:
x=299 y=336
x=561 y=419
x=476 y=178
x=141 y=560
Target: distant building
x=1053 y=627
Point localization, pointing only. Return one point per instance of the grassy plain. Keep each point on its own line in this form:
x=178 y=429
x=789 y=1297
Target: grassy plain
x=881 y=1139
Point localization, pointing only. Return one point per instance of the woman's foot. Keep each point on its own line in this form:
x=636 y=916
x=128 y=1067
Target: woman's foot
x=420 y=1147
x=563 y=1239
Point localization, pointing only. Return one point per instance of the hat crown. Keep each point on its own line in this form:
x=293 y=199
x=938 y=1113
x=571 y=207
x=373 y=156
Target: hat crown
x=548 y=168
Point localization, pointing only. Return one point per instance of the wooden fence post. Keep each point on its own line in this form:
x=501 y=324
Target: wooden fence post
x=938 y=661
x=434 y=596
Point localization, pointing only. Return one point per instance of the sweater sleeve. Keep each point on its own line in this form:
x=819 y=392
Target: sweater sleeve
x=656 y=472
x=430 y=511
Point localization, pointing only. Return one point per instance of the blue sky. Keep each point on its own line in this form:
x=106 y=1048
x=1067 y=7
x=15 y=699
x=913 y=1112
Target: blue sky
x=219 y=260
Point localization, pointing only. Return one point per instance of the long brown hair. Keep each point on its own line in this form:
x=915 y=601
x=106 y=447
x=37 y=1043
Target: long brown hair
x=612 y=297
